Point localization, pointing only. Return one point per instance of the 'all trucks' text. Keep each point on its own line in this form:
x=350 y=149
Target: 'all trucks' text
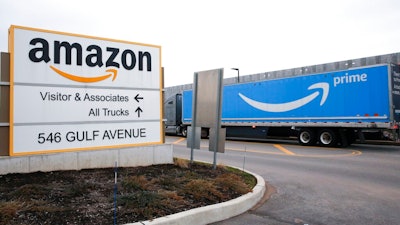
x=108 y=112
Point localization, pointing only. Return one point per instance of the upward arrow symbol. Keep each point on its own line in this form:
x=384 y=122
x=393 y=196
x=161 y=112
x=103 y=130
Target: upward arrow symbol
x=138 y=111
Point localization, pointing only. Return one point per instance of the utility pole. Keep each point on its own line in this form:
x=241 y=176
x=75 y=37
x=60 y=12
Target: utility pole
x=237 y=69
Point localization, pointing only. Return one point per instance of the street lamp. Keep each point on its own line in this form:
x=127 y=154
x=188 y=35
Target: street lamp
x=237 y=69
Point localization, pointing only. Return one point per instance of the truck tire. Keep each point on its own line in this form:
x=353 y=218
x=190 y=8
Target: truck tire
x=327 y=137
x=307 y=137
x=184 y=131
x=178 y=131
x=204 y=133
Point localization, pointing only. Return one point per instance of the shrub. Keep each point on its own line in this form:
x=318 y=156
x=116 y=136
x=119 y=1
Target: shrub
x=249 y=179
x=167 y=183
x=30 y=191
x=142 y=203
x=232 y=182
x=203 y=190
x=8 y=210
x=77 y=189
x=181 y=163
x=135 y=183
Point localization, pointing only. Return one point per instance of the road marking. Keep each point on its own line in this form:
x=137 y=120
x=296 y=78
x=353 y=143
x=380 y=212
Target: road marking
x=178 y=141
x=253 y=151
x=283 y=149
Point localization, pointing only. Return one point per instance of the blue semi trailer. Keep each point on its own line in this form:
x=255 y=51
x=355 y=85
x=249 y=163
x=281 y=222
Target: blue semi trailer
x=329 y=109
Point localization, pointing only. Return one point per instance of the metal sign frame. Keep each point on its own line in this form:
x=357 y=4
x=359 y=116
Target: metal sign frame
x=207 y=110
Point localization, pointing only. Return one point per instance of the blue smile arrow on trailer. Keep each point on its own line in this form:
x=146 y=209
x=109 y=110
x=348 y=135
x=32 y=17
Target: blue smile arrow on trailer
x=284 y=107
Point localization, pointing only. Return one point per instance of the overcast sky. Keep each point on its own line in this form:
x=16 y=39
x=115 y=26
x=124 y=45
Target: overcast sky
x=254 y=36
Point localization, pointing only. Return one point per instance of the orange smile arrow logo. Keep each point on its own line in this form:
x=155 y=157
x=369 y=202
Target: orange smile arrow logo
x=112 y=72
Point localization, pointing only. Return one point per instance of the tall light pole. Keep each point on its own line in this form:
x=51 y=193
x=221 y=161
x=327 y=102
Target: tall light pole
x=237 y=69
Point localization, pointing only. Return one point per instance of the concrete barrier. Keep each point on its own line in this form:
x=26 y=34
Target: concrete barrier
x=125 y=157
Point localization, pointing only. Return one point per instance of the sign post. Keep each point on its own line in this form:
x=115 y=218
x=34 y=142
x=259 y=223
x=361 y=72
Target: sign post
x=207 y=110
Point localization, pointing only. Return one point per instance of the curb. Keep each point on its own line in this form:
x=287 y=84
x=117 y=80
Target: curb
x=213 y=213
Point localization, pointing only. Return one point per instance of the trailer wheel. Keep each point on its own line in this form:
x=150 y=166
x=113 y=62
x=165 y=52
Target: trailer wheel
x=204 y=133
x=307 y=137
x=184 y=131
x=178 y=130
x=327 y=137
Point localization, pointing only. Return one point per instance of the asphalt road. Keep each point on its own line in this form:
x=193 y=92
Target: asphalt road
x=314 y=185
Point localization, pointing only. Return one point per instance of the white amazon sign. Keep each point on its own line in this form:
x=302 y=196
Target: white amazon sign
x=75 y=92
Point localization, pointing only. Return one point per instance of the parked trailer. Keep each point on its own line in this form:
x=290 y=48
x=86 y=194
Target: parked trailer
x=329 y=109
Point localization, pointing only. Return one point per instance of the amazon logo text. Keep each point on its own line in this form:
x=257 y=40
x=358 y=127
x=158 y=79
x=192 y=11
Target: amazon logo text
x=92 y=56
